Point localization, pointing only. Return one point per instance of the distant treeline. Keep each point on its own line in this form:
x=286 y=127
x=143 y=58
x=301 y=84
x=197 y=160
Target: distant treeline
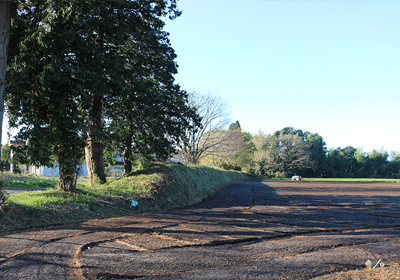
x=289 y=152
x=352 y=162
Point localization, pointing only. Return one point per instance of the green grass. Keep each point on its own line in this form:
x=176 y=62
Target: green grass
x=31 y=184
x=362 y=180
x=30 y=181
x=161 y=187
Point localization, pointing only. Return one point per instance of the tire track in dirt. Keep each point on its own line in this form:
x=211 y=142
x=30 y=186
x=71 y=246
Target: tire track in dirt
x=25 y=251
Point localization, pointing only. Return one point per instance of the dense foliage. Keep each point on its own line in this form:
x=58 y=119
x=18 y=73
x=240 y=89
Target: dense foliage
x=85 y=75
x=352 y=162
x=44 y=94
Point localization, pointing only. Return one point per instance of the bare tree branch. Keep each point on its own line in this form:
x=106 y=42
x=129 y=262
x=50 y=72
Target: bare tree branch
x=215 y=116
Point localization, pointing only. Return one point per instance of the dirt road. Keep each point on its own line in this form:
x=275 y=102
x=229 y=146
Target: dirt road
x=253 y=229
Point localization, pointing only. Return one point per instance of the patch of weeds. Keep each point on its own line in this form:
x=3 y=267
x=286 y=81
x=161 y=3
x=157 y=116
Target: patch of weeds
x=39 y=199
x=30 y=184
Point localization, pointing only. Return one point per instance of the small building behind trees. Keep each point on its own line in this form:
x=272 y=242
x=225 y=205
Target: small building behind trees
x=115 y=170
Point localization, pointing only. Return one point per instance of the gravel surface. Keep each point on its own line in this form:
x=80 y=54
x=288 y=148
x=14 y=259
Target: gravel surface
x=252 y=229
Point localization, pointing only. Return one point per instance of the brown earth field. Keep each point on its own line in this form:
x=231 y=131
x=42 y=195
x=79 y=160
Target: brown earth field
x=247 y=230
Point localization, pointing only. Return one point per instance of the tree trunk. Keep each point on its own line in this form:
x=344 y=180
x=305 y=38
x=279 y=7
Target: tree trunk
x=67 y=182
x=94 y=149
x=67 y=173
x=127 y=156
x=5 y=22
x=89 y=162
x=127 y=162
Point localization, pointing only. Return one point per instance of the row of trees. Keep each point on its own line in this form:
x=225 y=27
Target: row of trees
x=91 y=77
x=282 y=154
x=352 y=162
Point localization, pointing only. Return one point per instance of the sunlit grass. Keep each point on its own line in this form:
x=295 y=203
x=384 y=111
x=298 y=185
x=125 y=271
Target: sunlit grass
x=27 y=181
x=39 y=199
x=134 y=185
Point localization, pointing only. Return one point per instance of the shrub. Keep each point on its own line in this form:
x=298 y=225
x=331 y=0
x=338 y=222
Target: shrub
x=231 y=166
x=2 y=196
x=16 y=169
x=280 y=174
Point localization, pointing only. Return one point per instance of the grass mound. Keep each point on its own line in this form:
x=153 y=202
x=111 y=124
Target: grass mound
x=175 y=185
x=160 y=187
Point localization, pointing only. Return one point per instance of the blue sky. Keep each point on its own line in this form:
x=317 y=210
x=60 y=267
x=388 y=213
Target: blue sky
x=331 y=67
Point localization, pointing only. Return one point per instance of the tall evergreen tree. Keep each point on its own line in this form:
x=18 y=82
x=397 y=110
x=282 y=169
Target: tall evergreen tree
x=43 y=95
x=72 y=61
x=118 y=45
x=235 y=126
x=148 y=114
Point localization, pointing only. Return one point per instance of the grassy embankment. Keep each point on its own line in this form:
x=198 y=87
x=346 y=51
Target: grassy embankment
x=161 y=187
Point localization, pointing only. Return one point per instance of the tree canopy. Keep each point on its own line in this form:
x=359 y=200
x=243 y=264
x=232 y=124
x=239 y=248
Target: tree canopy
x=84 y=72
